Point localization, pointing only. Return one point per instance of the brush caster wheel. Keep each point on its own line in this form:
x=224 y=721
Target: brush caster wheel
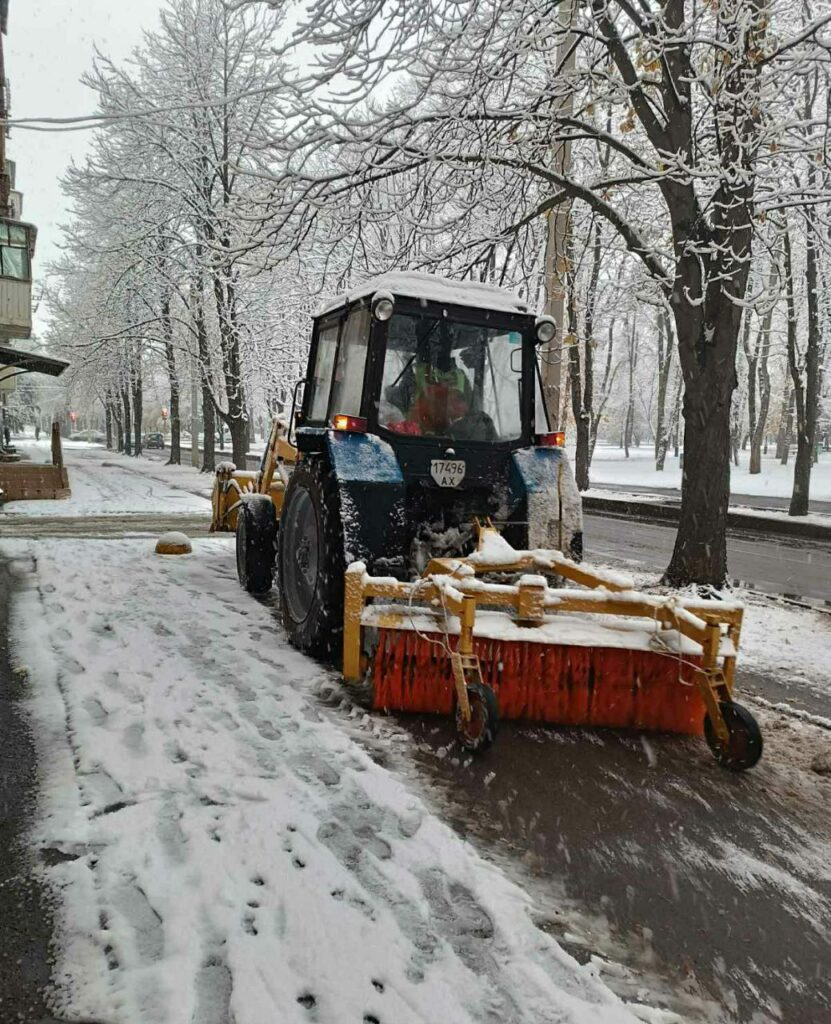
x=745 y=745
x=479 y=733
x=255 y=537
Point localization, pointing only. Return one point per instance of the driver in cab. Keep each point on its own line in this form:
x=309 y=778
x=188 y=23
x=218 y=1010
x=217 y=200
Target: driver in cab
x=432 y=394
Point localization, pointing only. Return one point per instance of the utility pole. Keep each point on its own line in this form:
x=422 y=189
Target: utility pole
x=5 y=177
x=558 y=220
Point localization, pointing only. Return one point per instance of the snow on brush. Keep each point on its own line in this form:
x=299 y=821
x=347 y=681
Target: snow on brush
x=225 y=850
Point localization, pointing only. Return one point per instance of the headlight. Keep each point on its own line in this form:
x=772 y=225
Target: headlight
x=383 y=305
x=546 y=329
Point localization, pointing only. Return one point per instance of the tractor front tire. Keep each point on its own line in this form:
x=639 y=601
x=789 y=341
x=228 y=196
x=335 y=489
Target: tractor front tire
x=311 y=560
x=255 y=538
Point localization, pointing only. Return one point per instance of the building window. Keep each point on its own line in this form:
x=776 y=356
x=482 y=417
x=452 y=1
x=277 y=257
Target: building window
x=14 y=251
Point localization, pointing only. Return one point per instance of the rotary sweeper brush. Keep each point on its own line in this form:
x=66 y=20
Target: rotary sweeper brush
x=428 y=531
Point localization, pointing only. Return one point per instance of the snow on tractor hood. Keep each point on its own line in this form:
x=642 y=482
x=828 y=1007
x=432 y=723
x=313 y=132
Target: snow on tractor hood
x=414 y=285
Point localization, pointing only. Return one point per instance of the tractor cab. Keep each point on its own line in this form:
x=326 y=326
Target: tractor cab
x=441 y=380
x=413 y=358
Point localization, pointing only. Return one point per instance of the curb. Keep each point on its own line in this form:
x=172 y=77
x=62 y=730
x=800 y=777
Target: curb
x=648 y=510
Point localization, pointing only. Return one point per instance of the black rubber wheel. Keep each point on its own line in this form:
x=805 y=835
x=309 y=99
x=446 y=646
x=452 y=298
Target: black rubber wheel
x=255 y=537
x=745 y=746
x=311 y=561
x=479 y=733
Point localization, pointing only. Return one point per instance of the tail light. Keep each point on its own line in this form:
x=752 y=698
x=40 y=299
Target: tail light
x=349 y=424
x=557 y=439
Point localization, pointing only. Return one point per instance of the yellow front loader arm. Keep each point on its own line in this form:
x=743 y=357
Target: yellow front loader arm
x=231 y=483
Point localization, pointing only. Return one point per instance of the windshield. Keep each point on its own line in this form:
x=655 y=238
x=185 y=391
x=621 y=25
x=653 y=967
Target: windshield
x=446 y=378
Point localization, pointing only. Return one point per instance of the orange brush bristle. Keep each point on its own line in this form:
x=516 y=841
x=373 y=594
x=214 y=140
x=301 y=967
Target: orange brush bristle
x=559 y=684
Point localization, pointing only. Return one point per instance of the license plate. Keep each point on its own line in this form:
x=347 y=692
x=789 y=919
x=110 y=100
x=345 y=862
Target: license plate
x=447 y=472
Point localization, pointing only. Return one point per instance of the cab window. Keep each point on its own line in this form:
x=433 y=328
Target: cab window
x=348 y=384
x=327 y=344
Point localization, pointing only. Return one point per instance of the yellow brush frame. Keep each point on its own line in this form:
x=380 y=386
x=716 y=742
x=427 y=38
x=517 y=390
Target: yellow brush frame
x=452 y=583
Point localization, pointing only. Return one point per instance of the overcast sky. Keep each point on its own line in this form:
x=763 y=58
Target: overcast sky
x=49 y=46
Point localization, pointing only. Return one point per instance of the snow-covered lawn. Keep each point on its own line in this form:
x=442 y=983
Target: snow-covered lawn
x=610 y=466
x=228 y=851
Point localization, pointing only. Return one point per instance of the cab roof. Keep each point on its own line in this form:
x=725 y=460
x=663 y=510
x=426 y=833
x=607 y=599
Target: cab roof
x=431 y=288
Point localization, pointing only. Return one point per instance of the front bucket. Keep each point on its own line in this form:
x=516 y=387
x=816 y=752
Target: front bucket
x=554 y=683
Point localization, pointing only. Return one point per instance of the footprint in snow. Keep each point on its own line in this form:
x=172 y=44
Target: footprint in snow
x=96 y=710
x=134 y=738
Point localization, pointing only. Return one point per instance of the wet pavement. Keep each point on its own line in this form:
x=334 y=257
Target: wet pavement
x=773 y=565
x=25 y=911
x=714 y=889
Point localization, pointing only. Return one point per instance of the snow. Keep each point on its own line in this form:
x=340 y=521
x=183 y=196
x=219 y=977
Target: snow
x=494 y=550
x=787 y=642
x=431 y=288
x=566 y=629
x=137 y=485
x=610 y=466
x=231 y=852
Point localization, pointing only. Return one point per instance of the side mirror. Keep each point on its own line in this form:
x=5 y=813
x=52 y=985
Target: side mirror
x=294 y=415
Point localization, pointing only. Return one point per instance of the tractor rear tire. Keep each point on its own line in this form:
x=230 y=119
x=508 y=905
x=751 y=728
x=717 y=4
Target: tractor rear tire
x=310 y=560
x=255 y=539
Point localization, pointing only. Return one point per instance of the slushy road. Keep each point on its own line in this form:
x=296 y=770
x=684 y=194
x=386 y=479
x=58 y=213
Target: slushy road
x=774 y=565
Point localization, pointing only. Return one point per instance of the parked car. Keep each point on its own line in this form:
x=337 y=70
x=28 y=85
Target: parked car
x=154 y=440
x=90 y=436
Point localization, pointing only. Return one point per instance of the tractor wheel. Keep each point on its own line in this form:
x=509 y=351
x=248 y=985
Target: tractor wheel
x=479 y=733
x=744 y=747
x=311 y=560
x=255 y=537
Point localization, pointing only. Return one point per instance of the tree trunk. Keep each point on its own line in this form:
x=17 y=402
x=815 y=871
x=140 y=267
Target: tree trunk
x=582 y=398
x=206 y=382
x=761 y=376
x=173 y=379
x=806 y=390
x=758 y=435
x=127 y=439
x=629 y=423
x=708 y=338
x=605 y=390
x=235 y=419
x=108 y=424
x=581 y=422
x=119 y=429
x=665 y=350
x=138 y=413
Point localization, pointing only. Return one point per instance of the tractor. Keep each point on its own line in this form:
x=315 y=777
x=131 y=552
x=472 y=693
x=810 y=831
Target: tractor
x=421 y=516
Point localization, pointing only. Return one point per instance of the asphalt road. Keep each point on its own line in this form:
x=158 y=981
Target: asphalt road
x=774 y=565
x=712 y=888
x=745 y=500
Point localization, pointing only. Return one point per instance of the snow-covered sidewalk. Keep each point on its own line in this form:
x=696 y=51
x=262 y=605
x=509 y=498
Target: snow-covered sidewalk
x=106 y=483
x=226 y=850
